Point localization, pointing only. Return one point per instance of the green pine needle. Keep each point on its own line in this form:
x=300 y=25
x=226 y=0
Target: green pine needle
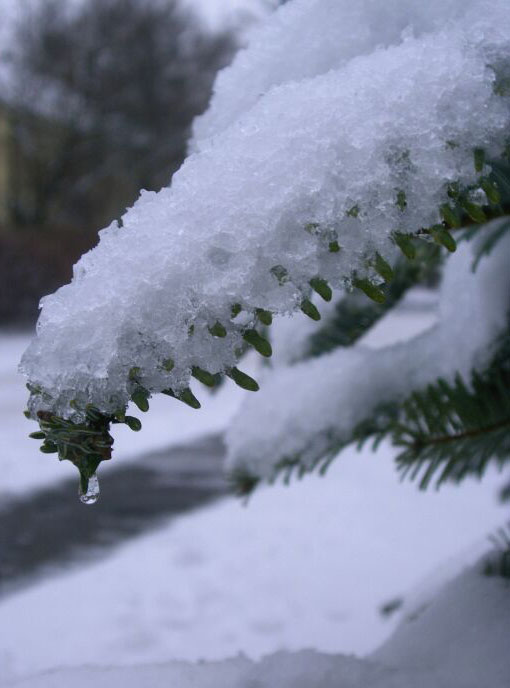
x=133 y=423
x=141 y=398
x=310 y=310
x=258 y=342
x=322 y=288
x=218 y=330
x=371 y=290
x=243 y=380
x=203 y=376
x=265 y=317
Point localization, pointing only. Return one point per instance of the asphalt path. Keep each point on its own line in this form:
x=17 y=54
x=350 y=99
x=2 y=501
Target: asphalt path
x=47 y=530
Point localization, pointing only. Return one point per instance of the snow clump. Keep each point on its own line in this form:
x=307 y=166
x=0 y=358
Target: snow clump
x=298 y=173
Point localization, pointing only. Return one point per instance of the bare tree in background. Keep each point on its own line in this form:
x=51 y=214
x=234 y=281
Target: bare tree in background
x=107 y=94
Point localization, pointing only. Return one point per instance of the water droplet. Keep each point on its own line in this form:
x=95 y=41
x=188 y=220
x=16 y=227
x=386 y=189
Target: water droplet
x=92 y=494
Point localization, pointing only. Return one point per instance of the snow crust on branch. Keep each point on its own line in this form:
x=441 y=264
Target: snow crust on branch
x=274 y=187
x=308 y=408
x=306 y=38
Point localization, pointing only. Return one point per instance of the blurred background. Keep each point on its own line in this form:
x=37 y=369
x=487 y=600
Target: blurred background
x=96 y=102
x=97 y=98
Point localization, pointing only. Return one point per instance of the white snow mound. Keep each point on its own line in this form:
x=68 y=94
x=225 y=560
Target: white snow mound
x=458 y=640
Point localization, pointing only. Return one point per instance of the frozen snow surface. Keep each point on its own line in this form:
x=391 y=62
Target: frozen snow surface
x=396 y=103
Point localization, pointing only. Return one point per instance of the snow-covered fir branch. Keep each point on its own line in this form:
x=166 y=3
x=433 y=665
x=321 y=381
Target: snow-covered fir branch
x=306 y=169
x=309 y=410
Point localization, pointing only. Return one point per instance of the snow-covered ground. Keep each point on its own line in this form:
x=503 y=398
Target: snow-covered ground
x=459 y=640
x=304 y=566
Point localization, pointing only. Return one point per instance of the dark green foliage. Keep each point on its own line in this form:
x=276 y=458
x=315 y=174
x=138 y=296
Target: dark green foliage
x=474 y=211
x=322 y=288
x=488 y=240
x=185 y=395
x=280 y=273
x=479 y=159
x=243 y=380
x=134 y=374
x=445 y=431
x=133 y=423
x=218 y=330
x=500 y=178
x=491 y=190
x=242 y=482
x=383 y=268
x=401 y=200
x=450 y=217
x=48 y=448
x=372 y=290
x=258 y=342
x=450 y=430
x=498 y=561
x=141 y=398
x=443 y=237
x=350 y=320
x=235 y=310
x=406 y=244
x=310 y=310
x=390 y=607
x=84 y=444
x=265 y=317
x=203 y=376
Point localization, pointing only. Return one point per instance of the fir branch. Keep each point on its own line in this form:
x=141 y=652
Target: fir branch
x=354 y=314
x=447 y=431
x=497 y=563
x=453 y=430
x=351 y=320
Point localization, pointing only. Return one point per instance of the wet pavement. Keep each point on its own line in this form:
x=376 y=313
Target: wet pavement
x=48 y=529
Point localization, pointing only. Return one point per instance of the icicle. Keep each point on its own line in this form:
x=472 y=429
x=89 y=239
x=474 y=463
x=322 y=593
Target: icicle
x=92 y=494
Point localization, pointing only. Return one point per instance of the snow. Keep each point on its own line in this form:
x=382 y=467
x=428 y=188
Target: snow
x=22 y=466
x=308 y=565
x=307 y=38
x=460 y=638
x=302 y=156
x=308 y=408
x=459 y=641
x=303 y=566
x=323 y=128
x=456 y=639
